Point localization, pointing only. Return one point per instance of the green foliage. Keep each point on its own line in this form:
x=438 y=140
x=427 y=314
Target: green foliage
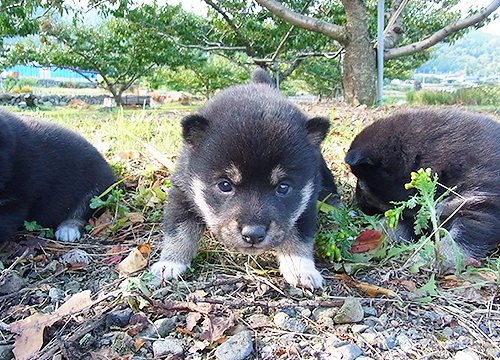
x=9 y=83
x=344 y=227
x=42 y=232
x=426 y=219
x=113 y=202
x=117 y=49
x=465 y=96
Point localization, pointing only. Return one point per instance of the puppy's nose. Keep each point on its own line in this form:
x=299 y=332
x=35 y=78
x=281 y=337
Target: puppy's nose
x=254 y=234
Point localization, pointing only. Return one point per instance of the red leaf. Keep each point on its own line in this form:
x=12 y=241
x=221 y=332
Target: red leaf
x=367 y=240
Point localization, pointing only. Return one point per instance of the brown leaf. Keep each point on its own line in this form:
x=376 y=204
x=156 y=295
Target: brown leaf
x=371 y=290
x=102 y=224
x=134 y=261
x=192 y=319
x=135 y=217
x=31 y=328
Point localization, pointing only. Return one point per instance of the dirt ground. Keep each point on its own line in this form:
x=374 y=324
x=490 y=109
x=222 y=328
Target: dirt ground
x=78 y=301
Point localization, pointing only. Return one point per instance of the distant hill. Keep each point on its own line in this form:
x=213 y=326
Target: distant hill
x=477 y=53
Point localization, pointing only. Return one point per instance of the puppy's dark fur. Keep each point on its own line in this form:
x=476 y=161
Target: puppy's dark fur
x=251 y=169
x=47 y=174
x=462 y=148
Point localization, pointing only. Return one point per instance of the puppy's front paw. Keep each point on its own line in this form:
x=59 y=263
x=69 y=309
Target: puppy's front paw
x=67 y=233
x=299 y=270
x=167 y=270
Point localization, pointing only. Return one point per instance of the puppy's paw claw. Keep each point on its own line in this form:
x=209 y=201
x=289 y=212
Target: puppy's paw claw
x=67 y=233
x=167 y=270
x=300 y=271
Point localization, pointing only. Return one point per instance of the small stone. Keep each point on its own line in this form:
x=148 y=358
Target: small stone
x=369 y=311
x=279 y=318
x=394 y=323
x=6 y=352
x=333 y=342
x=237 y=347
x=466 y=355
x=493 y=352
x=257 y=321
x=350 y=312
x=118 y=318
x=55 y=294
x=167 y=346
x=347 y=352
x=447 y=333
x=404 y=342
x=122 y=343
x=165 y=326
x=432 y=316
x=11 y=282
x=453 y=345
x=294 y=325
x=321 y=313
x=414 y=334
x=356 y=329
x=383 y=319
x=388 y=342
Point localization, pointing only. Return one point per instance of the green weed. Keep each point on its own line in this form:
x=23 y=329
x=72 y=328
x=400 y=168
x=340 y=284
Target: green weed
x=43 y=232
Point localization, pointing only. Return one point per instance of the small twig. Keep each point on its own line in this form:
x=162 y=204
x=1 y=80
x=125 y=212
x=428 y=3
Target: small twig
x=268 y=304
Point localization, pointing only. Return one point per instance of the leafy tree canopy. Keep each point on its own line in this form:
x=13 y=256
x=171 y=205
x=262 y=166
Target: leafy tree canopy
x=118 y=50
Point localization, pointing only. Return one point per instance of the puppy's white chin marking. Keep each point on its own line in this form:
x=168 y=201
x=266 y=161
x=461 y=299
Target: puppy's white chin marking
x=299 y=270
x=67 y=233
x=167 y=270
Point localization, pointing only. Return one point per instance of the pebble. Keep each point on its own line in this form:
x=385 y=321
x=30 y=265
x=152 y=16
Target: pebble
x=279 y=318
x=346 y=352
x=237 y=347
x=6 y=352
x=11 y=282
x=388 y=342
x=356 y=329
x=404 y=342
x=369 y=311
x=447 y=332
x=167 y=346
x=350 y=312
x=55 y=294
x=118 y=318
x=454 y=345
x=383 y=320
x=122 y=343
x=256 y=321
x=466 y=355
x=165 y=326
x=432 y=316
x=414 y=334
x=294 y=325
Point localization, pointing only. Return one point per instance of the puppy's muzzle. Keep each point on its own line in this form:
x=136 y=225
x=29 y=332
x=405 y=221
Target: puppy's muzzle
x=253 y=234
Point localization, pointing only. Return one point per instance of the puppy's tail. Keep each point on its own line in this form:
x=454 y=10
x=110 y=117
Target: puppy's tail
x=261 y=76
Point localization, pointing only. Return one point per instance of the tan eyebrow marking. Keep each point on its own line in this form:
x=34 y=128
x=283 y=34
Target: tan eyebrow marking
x=234 y=174
x=277 y=174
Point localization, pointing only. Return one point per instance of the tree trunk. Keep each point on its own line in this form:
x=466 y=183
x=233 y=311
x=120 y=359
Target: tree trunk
x=359 y=63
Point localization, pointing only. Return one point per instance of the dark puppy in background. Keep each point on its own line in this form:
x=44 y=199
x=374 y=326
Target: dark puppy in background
x=461 y=147
x=251 y=169
x=49 y=175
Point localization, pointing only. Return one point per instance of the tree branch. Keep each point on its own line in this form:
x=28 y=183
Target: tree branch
x=441 y=34
x=305 y=22
x=393 y=32
x=201 y=47
x=250 y=51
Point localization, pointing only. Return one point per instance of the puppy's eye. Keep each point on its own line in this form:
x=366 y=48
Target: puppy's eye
x=283 y=189
x=225 y=186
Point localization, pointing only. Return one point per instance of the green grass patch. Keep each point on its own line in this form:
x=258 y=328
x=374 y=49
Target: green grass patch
x=478 y=96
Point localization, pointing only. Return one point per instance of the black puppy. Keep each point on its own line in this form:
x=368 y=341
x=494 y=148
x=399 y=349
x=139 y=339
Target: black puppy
x=251 y=169
x=49 y=175
x=461 y=147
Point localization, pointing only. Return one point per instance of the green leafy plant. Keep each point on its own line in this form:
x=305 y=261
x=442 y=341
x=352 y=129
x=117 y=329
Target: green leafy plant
x=113 y=202
x=47 y=233
x=426 y=218
x=346 y=225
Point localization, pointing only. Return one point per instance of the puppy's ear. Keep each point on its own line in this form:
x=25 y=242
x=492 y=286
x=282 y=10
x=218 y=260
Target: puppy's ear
x=194 y=128
x=317 y=129
x=355 y=157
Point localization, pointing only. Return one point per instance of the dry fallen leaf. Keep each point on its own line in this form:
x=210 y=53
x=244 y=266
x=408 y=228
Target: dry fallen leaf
x=136 y=260
x=371 y=290
x=135 y=217
x=31 y=328
x=102 y=224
